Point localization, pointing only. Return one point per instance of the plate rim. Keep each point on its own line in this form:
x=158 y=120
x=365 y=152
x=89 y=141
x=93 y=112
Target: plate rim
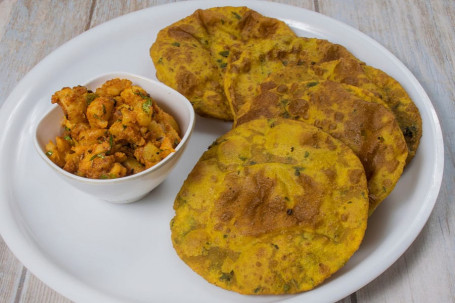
x=21 y=247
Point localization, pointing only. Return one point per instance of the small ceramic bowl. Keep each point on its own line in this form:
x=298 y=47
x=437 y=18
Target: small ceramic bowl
x=134 y=187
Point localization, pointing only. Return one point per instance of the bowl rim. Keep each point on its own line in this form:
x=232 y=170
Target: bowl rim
x=157 y=166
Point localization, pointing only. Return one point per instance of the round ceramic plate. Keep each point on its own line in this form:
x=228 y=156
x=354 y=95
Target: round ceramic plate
x=94 y=251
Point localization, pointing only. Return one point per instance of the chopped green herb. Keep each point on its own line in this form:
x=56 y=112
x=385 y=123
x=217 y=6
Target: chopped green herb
x=224 y=53
x=90 y=97
x=311 y=84
x=297 y=170
x=409 y=131
x=286 y=115
x=223 y=65
x=148 y=101
x=100 y=155
x=67 y=138
x=49 y=153
x=104 y=109
x=160 y=60
x=176 y=44
x=227 y=277
x=147 y=105
x=237 y=16
x=306 y=154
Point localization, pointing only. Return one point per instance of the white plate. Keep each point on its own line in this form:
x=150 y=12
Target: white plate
x=93 y=251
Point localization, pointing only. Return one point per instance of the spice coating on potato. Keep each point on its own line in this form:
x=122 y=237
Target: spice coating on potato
x=117 y=131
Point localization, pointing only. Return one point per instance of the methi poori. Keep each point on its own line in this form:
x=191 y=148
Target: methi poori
x=319 y=139
x=191 y=54
x=306 y=59
x=367 y=127
x=263 y=213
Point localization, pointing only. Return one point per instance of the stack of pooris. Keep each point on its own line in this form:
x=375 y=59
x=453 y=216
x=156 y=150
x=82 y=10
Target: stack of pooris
x=191 y=54
x=306 y=59
x=319 y=140
x=267 y=213
x=342 y=111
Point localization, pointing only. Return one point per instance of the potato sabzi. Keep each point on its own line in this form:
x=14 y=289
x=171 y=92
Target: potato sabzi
x=116 y=131
x=268 y=213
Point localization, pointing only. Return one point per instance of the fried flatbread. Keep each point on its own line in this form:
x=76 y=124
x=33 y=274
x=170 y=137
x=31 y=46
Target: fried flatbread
x=191 y=54
x=354 y=72
x=308 y=59
x=368 y=128
x=267 y=213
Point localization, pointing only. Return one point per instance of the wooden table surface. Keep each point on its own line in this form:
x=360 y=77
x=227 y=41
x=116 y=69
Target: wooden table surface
x=419 y=32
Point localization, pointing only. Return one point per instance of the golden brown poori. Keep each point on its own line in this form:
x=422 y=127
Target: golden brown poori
x=306 y=59
x=267 y=213
x=319 y=139
x=191 y=54
x=367 y=127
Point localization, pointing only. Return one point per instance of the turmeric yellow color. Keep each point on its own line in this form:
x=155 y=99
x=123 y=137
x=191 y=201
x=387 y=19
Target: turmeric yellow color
x=275 y=206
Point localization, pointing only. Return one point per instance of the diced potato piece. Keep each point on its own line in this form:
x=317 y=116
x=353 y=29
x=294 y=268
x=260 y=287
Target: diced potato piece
x=116 y=131
x=117 y=171
x=99 y=112
x=151 y=153
x=113 y=87
x=133 y=165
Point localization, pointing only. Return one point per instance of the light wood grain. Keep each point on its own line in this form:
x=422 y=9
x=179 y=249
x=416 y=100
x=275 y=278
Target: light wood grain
x=10 y=273
x=419 y=33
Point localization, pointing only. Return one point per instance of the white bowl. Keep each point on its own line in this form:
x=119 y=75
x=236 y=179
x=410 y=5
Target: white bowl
x=134 y=187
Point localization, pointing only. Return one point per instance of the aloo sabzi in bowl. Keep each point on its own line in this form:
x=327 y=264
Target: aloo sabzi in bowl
x=117 y=137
